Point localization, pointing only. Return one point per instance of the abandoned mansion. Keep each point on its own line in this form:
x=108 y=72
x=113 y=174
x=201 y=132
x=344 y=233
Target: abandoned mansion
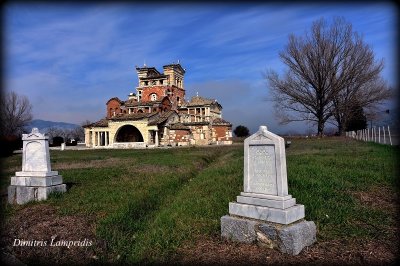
x=158 y=114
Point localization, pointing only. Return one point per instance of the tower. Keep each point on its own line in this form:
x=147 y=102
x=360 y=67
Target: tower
x=153 y=85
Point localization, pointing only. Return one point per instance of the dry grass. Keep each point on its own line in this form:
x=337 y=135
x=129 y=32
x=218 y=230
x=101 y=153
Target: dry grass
x=105 y=163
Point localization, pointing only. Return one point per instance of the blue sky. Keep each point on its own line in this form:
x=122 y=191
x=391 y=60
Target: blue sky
x=70 y=59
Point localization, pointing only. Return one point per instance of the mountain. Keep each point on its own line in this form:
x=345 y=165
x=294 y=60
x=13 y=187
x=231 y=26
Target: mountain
x=43 y=125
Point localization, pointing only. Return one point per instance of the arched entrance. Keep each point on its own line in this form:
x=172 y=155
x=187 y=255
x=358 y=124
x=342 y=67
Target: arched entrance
x=129 y=133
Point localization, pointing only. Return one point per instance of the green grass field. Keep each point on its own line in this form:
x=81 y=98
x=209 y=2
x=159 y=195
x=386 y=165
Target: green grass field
x=147 y=203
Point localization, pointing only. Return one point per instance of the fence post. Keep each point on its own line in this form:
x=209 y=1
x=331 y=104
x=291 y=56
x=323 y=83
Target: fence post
x=379 y=134
x=384 y=135
x=390 y=138
x=372 y=136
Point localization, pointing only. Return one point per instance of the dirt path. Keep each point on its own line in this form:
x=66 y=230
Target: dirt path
x=37 y=234
x=41 y=222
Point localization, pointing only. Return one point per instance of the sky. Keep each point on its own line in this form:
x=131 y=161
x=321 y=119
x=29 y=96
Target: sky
x=69 y=59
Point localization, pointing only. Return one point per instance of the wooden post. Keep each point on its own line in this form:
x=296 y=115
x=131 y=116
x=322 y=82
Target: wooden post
x=379 y=134
x=390 y=138
x=384 y=135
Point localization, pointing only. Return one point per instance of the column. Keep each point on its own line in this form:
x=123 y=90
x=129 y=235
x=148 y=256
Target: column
x=106 y=139
x=98 y=138
x=156 y=138
x=93 y=138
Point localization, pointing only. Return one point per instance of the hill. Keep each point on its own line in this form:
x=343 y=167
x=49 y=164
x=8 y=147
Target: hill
x=43 y=125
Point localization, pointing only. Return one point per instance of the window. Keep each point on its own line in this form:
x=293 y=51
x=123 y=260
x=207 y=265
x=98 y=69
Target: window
x=146 y=83
x=153 y=97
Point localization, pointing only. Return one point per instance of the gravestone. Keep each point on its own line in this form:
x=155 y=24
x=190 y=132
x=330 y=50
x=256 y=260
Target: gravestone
x=36 y=180
x=264 y=212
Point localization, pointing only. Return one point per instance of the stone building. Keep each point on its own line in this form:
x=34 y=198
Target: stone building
x=158 y=114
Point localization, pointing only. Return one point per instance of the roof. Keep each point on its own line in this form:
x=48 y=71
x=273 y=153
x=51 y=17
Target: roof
x=175 y=66
x=115 y=98
x=133 y=102
x=162 y=117
x=142 y=103
x=196 y=123
x=220 y=121
x=136 y=116
x=178 y=126
x=201 y=101
x=145 y=103
x=101 y=123
x=146 y=68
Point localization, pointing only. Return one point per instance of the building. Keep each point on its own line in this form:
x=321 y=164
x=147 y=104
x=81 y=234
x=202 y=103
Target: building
x=158 y=114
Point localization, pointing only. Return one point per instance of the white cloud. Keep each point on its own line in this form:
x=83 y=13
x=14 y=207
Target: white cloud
x=85 y=54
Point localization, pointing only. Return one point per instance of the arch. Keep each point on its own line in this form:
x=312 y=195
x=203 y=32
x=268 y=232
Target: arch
x=128 y=133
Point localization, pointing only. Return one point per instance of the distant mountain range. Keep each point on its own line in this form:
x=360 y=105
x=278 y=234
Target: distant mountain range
x=43 y=125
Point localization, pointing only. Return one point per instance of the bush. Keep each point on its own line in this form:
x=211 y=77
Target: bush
x=241 y=131
x=9 y=145
x=57 y=141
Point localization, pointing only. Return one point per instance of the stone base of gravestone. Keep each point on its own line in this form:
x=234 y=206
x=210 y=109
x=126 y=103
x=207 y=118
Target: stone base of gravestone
x=36 y=181
x=290 y=238
x=24 y=194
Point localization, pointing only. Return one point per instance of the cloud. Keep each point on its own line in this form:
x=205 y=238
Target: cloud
x=70 y=59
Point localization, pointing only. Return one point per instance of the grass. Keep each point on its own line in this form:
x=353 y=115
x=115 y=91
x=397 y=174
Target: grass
x=148 y=203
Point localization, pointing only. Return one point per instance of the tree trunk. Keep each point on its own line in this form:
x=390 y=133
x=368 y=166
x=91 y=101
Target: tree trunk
x=320 y=128
x=341 y=129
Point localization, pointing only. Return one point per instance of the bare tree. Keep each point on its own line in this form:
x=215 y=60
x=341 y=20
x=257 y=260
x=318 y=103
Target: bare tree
x=86 y=123
x=328 y=70
x=78 y=133
x=360 y=84
x=16 y=114
x=54 y=132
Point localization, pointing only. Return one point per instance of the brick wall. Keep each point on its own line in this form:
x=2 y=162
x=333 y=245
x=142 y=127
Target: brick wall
x=113 y=105
x=161 y=91
x=179 y=135
x=222 y=132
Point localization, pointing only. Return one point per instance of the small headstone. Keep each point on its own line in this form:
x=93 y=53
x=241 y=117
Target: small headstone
x=264 y=211
x=36 y=180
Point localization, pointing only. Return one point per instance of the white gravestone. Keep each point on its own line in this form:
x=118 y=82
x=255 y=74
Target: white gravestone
x=265 y=195
x=36 y=180
x=265 y=203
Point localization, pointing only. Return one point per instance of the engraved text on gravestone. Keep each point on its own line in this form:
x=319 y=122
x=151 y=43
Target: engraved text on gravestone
x=262 y=169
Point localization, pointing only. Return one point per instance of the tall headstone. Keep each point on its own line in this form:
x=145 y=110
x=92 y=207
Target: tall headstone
x=264 y=212
x=36 y=180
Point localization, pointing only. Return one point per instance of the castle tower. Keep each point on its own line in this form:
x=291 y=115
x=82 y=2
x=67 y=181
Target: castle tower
x=175 y=74
x=153 y=85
